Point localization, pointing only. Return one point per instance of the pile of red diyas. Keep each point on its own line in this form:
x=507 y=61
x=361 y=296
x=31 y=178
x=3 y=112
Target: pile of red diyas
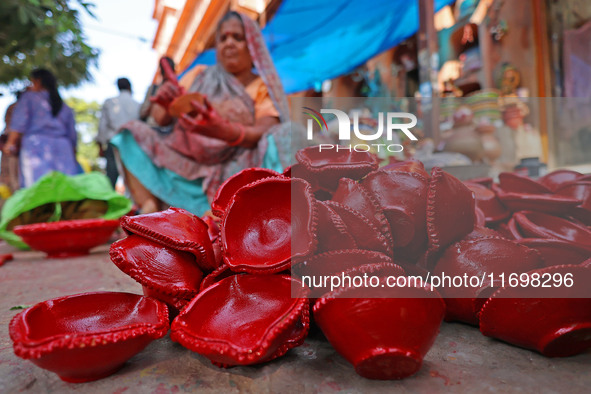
x=433 y=225
x=237 y=305
x=168 y=252
x=539 y=298
x=555 y=321
x=379 y=221
x=240 y=286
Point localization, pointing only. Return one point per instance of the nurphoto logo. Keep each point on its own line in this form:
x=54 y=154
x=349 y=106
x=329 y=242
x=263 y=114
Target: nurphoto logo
x=392 y=123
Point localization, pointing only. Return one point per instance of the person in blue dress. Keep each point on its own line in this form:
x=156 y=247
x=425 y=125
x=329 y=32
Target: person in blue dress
x=45 y=126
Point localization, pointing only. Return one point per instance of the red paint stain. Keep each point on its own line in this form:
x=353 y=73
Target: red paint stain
x=161 y=389
x=436 y=374
x=452 y=344
x=120 y=390
x=334 y=386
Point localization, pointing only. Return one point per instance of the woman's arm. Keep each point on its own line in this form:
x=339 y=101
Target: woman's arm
x=19 y=124
x=11 y=146
x=249 y=136
x=211 y=124
x=161 y=100
x=160 y=115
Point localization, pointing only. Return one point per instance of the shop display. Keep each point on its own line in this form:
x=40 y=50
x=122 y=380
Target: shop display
x=463 y=137
x=525 y=139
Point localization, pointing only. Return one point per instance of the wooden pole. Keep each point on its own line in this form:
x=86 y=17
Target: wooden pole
x=428 y=56
x=542 y=72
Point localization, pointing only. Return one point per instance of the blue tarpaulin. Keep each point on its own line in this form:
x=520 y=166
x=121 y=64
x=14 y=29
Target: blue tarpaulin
x=315 y=40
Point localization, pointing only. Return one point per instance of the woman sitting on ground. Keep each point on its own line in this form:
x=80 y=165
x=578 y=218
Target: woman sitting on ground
x=242 y=123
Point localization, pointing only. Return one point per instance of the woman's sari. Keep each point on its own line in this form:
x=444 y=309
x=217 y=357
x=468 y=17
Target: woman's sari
x=185 y=169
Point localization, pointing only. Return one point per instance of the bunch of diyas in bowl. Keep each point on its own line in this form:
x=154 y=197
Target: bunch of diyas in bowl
x=57 y=197
x=62 y=228
x=67 y=238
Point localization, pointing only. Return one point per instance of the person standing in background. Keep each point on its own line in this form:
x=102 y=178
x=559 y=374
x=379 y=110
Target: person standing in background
x=45 y=126
x=9 y=163
x=116 y=112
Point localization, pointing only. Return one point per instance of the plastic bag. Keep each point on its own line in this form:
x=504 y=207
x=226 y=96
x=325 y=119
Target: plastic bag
x=56 y=187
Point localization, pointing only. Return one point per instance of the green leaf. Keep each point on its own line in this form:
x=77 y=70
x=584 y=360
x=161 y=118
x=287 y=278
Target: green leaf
x=57 y=213
x=18 y=307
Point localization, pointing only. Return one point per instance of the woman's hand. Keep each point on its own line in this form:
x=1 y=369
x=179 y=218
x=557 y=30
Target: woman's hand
x=167 y=92
x=210 y=123
x=9 y=149
x=207 y=122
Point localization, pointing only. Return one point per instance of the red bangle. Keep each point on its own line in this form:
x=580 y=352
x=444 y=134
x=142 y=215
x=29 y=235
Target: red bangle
x=240 y=138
